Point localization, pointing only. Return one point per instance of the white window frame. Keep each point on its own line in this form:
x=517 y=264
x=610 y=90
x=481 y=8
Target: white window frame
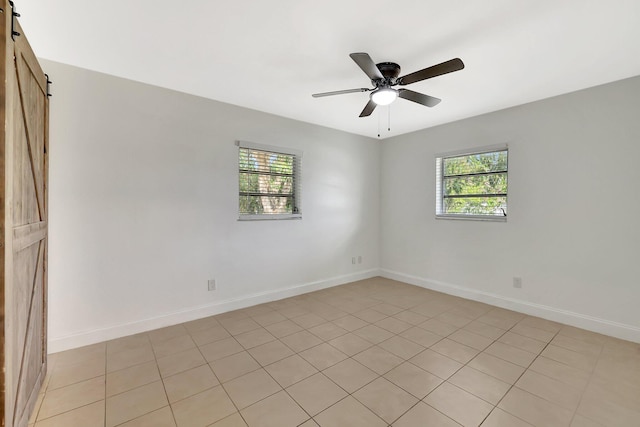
x=439 y=157
x=297 y=162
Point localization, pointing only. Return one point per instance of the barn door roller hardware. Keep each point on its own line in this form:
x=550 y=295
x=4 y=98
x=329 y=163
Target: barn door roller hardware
x=49 y=83
x=14 y=15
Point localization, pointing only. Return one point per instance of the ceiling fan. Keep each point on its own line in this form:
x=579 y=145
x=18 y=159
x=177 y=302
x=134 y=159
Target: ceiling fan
x=385 y=75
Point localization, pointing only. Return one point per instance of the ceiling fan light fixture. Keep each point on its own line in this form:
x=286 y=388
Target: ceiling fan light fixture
x=384 y=96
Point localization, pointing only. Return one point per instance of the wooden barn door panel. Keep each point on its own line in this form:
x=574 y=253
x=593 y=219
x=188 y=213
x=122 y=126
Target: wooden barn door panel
x=24 y=161
x=29 y=159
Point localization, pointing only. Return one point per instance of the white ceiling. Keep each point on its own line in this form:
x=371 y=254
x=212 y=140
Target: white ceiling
x=272 y=55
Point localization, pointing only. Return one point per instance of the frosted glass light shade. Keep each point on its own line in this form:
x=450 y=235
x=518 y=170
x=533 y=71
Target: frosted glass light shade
x=384 y=96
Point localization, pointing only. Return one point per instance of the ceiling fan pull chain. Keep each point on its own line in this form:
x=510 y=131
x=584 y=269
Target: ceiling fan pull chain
x=389 y=119
x=379 y=123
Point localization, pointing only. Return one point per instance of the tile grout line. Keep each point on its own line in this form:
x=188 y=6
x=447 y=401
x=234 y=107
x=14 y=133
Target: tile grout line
x=382 y=375
x=467 y=363
x=295 y=353
x=318 y=372
x=584 y=390
x=155 y=358
x=72 y=409
x=105 y=384
x=520 y=376
x=463 y=365
x=217 y=378
x=161 y=378
x=268 y=373
x=321 y=371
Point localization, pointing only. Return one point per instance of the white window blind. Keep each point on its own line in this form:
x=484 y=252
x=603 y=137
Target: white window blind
x=269 y=182
x=472 y=185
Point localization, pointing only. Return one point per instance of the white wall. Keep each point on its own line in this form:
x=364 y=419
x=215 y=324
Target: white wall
x=143 y=209
x=573 y=231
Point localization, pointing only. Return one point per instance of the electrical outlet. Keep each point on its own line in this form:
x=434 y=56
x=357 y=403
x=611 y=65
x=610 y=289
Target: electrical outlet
x=517 y=282
x=353 y=260
x=359 y=259
x=212 y=284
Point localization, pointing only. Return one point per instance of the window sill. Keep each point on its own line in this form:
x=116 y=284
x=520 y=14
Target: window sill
x=473 y=218
x=269 y=217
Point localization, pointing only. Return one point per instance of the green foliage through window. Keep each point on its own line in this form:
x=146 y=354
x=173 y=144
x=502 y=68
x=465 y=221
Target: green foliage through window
x=473 y=184
x=267 y=182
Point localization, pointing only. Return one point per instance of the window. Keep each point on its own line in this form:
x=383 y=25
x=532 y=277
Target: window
x=472 y=185
x=268 y=182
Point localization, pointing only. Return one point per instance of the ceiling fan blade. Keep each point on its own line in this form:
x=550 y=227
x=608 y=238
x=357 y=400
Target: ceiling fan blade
x=433 y=71
x=420 y=98
x=367 y=65
x=368 y=109
x=340 y=92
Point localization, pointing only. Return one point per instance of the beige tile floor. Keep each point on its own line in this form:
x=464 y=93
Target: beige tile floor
x=370 y=353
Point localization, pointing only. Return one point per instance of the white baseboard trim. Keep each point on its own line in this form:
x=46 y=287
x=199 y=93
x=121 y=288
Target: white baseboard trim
x=121 y=330
x=594 y=324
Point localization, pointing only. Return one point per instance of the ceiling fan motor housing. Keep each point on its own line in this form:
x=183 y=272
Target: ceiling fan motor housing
x=390 y=71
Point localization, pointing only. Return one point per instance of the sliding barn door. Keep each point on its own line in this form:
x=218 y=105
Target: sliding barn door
x=24 y=233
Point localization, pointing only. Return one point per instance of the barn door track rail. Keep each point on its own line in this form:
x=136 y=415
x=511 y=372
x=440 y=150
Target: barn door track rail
x=14 y=15
x=49 y=83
